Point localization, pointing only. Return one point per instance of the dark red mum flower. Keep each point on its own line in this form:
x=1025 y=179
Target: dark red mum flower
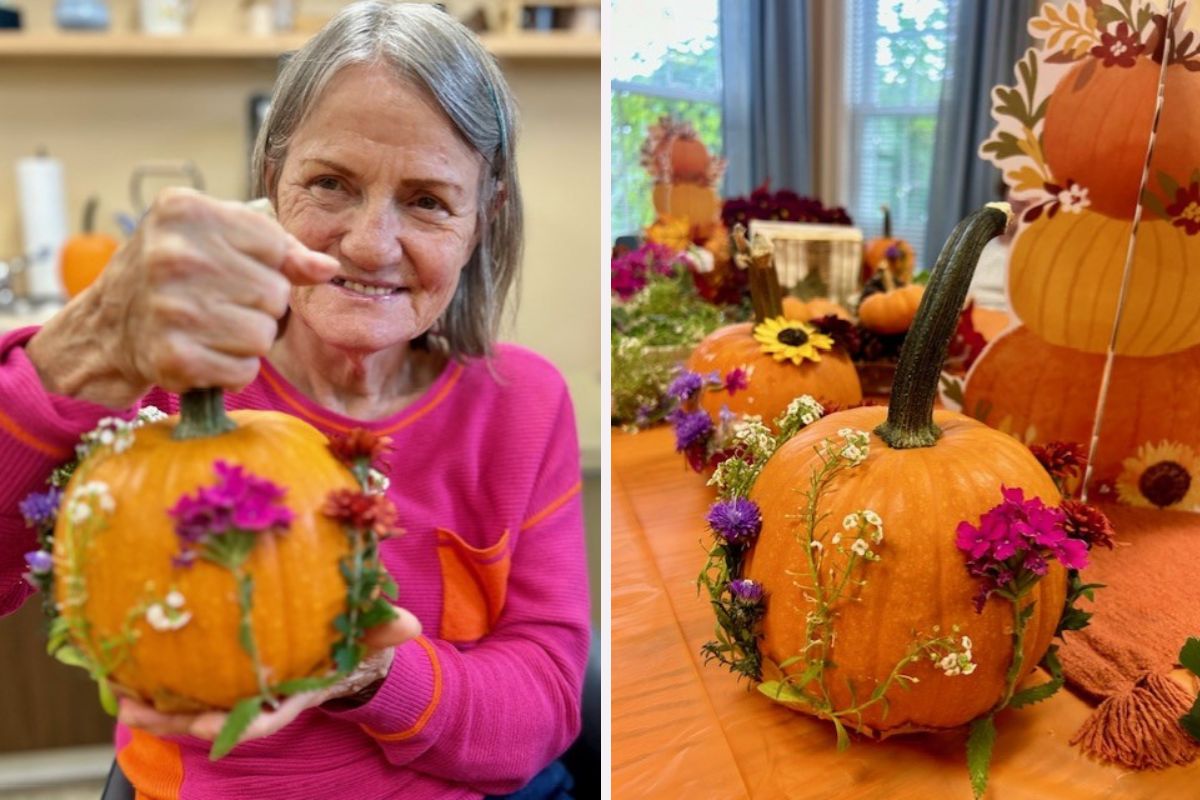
x=368 y=512
x=357 y=444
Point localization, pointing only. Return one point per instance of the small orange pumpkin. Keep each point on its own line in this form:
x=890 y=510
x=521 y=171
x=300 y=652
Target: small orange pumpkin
x=924 y=473
x=891 y=311
x=875 y=253
x=797 y=309
x=107 y=577
x=698 y=203
x=1101 y=144
x=85 y=255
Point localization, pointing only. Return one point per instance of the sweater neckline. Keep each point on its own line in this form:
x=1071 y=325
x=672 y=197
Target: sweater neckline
x=318 y=415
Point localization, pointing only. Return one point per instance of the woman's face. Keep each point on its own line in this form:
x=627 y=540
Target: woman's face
x=378 y=177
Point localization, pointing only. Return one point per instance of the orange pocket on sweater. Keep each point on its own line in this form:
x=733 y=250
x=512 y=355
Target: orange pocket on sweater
x=474 y=583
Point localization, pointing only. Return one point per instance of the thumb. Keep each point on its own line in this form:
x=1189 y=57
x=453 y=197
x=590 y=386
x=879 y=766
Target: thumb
x=394 y=632
x=302 y=266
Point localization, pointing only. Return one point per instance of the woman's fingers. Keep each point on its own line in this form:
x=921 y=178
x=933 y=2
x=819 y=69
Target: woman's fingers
x=394 y=633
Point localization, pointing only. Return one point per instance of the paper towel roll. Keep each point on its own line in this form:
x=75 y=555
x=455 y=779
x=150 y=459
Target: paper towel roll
x=43 y=223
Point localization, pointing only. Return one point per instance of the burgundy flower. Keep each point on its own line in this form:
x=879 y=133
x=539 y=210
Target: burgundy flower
x=367 y=512
x=736 y=379
x=1061 y=459
x=1119 y=49
x=1185 y=211
x=844 y=334
x=1088 y=523
x=358 y=444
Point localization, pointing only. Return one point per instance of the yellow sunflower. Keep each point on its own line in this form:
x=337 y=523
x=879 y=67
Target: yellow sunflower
x=1166 y=475
x=788 y=339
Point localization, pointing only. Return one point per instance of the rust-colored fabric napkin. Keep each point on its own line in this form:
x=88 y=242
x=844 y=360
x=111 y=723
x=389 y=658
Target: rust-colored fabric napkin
x=1150 y=606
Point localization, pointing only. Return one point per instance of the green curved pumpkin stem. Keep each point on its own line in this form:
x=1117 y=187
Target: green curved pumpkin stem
x=914 y=390
x=202 y=414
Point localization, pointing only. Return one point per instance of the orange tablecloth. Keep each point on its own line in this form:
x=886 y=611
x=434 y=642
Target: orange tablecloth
x=681 y=729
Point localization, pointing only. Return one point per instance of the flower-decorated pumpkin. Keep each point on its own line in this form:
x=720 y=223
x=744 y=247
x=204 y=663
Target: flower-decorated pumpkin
x=776 y=359
x=922 y=476
x=178 y=543
x=888 y=251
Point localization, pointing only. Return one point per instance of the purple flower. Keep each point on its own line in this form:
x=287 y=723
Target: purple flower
x=40 y=562
x=691 y=428
x=41 y=508
x=237 y=501
x=685 y=386
x=737 y=521
x=736 y=379
x=746 y=590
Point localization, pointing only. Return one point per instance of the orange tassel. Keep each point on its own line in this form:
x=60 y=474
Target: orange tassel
x=1139 y=727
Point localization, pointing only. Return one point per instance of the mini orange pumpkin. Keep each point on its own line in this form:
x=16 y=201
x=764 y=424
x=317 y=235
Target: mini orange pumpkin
x=797 y=309
x=85 y=255
x=891 y=311
x=107 y=577
x=925 y=472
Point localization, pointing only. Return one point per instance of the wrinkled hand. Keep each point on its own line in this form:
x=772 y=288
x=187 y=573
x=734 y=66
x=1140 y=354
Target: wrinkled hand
x=193 y=300
x=381 y=642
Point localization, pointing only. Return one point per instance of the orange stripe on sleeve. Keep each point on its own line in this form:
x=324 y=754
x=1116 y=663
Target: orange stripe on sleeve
x=422 y=720
x=552 y=507
x=153 y=765
x=21 y=435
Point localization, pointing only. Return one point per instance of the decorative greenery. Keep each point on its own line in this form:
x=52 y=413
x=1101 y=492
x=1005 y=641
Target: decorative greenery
x=651 y=334
x=1189 y=658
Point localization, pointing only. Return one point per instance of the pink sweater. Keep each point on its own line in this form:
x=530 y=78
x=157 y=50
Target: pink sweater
x=485 y=477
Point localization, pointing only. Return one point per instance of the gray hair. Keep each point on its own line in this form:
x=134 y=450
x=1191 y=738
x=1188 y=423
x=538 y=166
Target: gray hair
x=430 y=50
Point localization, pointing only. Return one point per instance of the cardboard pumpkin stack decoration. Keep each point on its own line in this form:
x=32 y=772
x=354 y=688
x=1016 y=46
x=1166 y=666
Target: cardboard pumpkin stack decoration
x=685 y=178
x=170 y=556
x=1075 y=158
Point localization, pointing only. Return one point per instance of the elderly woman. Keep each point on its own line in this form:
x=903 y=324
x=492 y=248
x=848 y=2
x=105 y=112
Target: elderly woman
x=372 y=299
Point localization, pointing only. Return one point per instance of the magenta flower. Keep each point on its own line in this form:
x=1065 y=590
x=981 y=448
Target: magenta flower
x=735 y=380
x=238 y=502
x=1013 y=543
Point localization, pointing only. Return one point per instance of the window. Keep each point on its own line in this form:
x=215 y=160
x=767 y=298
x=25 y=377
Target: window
x=666 y=59
x=899 y=56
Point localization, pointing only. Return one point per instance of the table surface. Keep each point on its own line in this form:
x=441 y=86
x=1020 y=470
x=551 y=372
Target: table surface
x=683 y=729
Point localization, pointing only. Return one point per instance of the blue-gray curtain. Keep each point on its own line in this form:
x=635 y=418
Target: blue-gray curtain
x=765 y=55
x=989 y=37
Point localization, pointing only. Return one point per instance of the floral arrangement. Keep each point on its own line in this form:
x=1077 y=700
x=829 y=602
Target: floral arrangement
x=220 y=523
x=1007 y=551
x=652 y=331
x=631 y=269
x=783 y=204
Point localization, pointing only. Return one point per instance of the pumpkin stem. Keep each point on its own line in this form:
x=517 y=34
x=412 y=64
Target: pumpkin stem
x=202 y=414
x=89 y=214
x=887 y=220
x=910 y=412
x=758 y=256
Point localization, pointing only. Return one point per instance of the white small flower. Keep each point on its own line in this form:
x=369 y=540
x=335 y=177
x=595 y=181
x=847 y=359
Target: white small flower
x=948 y=662
x=850 y=522
x=377 y=482
x=78 y=511
x=860 y=547
x=150 y=414
x=815 y=545
x=163 y=618
x=175 y=599
x=852 y=453
x=837 y=538
x=871 y=517
x=877 y=534
x=807 y=418
x=106 y=437
x=845 y=433
x=968 y=669
x=966 y=643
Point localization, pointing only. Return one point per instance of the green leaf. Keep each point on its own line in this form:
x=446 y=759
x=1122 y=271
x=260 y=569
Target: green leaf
x=1189 y=656
x=377 y=614
x=346 y=656
x=843 y=738
x=782 y=692
x=72 y=657
x=1035 y=694
x=235 y=725
x=1191 y=721
x=787 y=662
x=108 y=700
x=298 y=685
x=979 y=752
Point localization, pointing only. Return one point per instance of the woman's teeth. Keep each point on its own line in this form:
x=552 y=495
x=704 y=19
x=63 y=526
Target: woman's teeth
x=362 y=288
